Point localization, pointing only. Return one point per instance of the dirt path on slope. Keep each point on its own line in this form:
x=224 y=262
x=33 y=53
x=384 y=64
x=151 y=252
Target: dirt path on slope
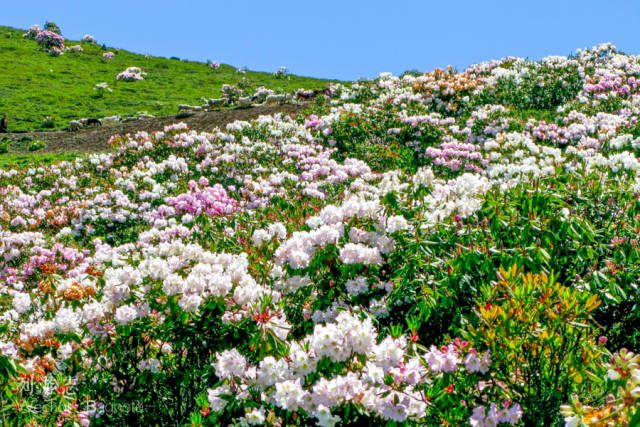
x=95 y=139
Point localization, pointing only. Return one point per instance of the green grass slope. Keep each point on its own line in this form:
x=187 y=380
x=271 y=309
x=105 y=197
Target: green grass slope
x=35 y=85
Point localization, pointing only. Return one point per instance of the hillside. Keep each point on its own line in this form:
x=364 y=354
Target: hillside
x=35 y=85
x=64 y=145
x=453 y=248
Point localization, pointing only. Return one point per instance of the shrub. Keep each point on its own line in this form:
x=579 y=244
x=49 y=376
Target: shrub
x=281 y=73
x=32 y=32
x=621 y=405
x=101 y=89
x=51 y=26
x=4 y=145
x=36 y=145
x=74 y=48
x=413 y=72
x=54 y=51
x=50 y=40
x=231 y=92
x=543 y=227
x=541 y=338
x=245 y=84
x=544 y=89
x=49 y=122
x=131 y=74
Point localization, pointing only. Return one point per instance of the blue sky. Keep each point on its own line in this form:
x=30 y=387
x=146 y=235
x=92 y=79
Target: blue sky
x=344 y=39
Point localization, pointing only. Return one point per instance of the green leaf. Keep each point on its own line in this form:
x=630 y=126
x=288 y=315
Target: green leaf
x=635 y=421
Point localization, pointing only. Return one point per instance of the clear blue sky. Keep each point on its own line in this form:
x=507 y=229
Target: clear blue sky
x=340 y=39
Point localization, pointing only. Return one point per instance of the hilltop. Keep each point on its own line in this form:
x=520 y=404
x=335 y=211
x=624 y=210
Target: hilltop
x=35 y=85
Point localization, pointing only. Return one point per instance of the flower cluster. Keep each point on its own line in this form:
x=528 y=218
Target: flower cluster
x=203 y=199
x=74 y=48
x=130 y=74
x=50 y=40
x=32 y=32
x=102 y=87
x=621 y=405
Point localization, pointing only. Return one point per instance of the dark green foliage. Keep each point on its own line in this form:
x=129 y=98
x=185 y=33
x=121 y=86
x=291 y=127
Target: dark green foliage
x=52 y=26
x=545 y=89
x=36 y=145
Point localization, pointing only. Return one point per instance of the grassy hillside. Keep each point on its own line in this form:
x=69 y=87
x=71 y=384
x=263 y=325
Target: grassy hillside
x=34 y=85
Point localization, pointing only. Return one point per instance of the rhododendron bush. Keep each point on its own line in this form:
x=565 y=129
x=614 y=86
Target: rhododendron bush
x=131 y=74
x=453 y=248
x=50 y=40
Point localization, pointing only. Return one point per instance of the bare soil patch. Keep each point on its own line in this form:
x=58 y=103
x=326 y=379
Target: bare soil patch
x=96 y=139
